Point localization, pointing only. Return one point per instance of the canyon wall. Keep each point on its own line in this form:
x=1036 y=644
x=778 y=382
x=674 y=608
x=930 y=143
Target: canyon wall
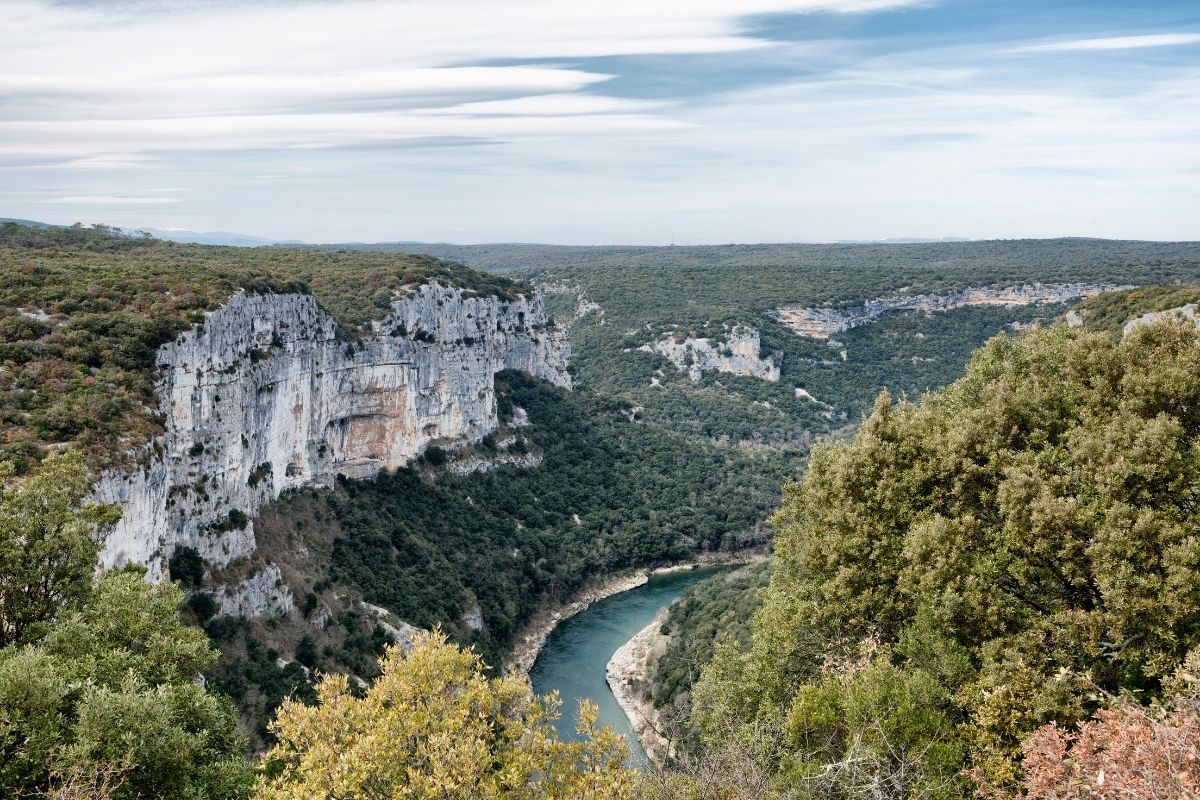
x=820 y=323
x=263 y=397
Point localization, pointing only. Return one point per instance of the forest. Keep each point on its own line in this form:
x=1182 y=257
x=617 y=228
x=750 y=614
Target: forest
x=645 y=291
x=985 y=593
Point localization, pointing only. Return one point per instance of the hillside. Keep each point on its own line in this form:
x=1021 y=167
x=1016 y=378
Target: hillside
x=343 y=445
x=478 y=553
x=1113 y=311
x=629 y=299
x=347 y=445
x=1008 y=557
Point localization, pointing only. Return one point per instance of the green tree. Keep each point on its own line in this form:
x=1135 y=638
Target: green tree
x=110 y=693
x=1021 y=538
x=49 y=541
x=98 y=679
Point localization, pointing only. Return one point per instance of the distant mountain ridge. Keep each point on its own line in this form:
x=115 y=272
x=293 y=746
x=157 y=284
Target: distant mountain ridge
x=181 y=235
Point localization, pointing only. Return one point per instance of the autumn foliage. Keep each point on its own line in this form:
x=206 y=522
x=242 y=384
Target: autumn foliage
x=1122 y=752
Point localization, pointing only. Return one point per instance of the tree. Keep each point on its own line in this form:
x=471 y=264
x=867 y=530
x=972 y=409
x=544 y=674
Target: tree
x=433 y=726
x=1126 y=750
x=109 y=698
x=98 y=690
x=49 y=541
x=1023 y=538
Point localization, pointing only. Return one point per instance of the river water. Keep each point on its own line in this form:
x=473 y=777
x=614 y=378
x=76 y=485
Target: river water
x=575 y=656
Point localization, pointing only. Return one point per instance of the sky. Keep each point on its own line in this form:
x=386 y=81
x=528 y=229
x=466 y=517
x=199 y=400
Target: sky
x=605 y=121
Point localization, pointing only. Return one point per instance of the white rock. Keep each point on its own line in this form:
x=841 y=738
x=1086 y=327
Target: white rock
x=473 y=619
x=263 y=390
x=262 y=594
x=1181 y=314
x=400 y=633
x=738 y=355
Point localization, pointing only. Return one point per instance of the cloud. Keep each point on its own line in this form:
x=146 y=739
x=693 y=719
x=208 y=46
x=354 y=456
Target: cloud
x=504 y=119
x=110 y=200
x=1115 y=43
x=146 y=80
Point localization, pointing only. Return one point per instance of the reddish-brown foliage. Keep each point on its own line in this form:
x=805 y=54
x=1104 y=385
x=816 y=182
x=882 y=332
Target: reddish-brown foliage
x=1123 y=752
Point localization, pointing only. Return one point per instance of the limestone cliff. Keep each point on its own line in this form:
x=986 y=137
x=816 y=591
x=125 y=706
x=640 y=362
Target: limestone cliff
x=737 y=355
x=263 y=397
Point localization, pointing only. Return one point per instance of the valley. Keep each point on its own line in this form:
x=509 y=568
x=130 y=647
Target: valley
x=333 y=452
x=623 y=400
x=574 y=660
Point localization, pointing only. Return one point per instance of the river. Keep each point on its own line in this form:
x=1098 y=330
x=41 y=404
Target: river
x=575 y=656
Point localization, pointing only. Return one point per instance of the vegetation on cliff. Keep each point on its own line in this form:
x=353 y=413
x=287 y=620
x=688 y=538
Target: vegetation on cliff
x=1112 y=310
x=83 y=311
x=100 y=694
x=1004 y=555
x=717 y=610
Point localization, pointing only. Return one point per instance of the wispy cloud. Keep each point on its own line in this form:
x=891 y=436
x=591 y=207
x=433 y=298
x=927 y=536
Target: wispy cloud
x=147 y=79
x=1115 y=43
x=504 y=119
x=110 y=200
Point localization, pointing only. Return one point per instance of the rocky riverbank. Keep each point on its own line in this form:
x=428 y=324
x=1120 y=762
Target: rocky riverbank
x=627 y=673
x=532 y=637
x=630 y=667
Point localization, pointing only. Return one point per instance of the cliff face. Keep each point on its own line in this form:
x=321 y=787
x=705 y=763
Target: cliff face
x=262 y=398
x=821 y=323
x=738 y=355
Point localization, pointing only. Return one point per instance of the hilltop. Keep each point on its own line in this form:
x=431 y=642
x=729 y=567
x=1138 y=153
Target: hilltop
x=83 y=311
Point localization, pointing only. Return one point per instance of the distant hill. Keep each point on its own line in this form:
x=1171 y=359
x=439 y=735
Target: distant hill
x=180 y=235
x=29 y=223
x=905 y=240
x=214 y=237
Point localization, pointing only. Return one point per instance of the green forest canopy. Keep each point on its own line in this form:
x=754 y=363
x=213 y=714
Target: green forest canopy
x=645 y=291
x=972 y=566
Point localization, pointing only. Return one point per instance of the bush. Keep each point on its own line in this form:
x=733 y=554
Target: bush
x=186 y=566
x=202 y=605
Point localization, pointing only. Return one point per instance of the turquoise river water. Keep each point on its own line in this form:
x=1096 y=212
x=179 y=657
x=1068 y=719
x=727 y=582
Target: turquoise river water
x=576 y=654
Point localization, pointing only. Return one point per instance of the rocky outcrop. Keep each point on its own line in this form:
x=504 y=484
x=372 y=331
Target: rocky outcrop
x=262 y=594
x=263 y=397
x=739 y=354
x=820 y=323
x=1181 y=314
x=477 y=463
x=396 y=629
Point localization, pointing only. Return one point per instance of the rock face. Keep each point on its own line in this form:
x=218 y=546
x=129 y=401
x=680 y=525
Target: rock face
x=737 y=355
x=820 y=323
x=264 y=593
x=1181 y=314
x=262 y=398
